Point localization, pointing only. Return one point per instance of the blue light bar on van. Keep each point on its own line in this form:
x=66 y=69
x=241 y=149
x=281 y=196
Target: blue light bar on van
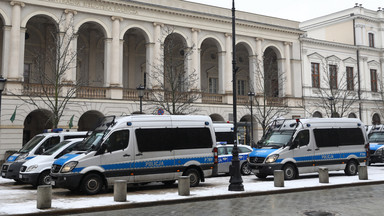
x=358 y=124
x=129 y=123
x=206 y=123
x=53 y=130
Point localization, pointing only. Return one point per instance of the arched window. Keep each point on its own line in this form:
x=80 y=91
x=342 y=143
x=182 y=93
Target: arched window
x=317 y=114
x=352 y=115
x=376 y=119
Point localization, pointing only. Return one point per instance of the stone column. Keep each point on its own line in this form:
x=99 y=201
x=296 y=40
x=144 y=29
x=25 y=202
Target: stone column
x=252 y=73
x=150 y=47
x=15 y=72
x=6 y=49
x=195 y=59
x=288 y=74
x=358 y=29
x=115 y=72
x=71 y=40
x=157 y=55
x=259 y=68
x=227 y=70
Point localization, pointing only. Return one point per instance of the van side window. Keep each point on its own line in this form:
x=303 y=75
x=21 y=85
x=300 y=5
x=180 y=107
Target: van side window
x=166 y=139
x=338 y=137
x=303 y=137
x=49 y=143
x=118 y=140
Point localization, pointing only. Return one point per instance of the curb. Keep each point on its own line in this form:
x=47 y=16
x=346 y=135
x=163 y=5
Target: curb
x=195 y=199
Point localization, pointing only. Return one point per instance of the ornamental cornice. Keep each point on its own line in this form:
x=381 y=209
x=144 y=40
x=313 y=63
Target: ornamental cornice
x=132 y=7
x=13 y=3
x=327 y=43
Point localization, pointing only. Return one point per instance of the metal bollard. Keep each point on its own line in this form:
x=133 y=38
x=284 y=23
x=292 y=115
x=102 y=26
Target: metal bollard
x=323 y=175
x=184 y=185
x=120 y=191
x=44 y=196
x=279 y=178
x=363 y=172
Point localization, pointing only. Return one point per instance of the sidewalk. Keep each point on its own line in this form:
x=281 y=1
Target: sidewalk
x=21 y=199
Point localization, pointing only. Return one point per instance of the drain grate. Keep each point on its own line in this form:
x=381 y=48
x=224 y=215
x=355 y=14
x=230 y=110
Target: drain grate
x=318 y=213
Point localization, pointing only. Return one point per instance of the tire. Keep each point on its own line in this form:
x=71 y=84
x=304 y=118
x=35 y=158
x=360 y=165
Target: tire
x=290 y=172
x=245 y=169
x=44 y=178
x=194 y=176
x=351 y=168
x=91 y=184
x=261 y=176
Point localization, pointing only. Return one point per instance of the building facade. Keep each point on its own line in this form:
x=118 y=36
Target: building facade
x=118 y=45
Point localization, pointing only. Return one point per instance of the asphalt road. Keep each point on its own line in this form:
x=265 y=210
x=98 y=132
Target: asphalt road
x=345 y=201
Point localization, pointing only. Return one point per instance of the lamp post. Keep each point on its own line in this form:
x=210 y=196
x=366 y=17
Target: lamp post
x=331 y=102
x=236 y=182
x=251 y=95
x=140 y=91
x=2 y=84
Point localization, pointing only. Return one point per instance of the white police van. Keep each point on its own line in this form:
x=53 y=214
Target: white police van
x=36 y=171
x=224 y=133
x=303 y=145
x=36 y=146
x=140 y=149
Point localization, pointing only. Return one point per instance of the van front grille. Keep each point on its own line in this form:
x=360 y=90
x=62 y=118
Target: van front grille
x=256 y=159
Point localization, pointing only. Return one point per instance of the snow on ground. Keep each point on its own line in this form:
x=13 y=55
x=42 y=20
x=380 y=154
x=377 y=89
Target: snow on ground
x=21 y=199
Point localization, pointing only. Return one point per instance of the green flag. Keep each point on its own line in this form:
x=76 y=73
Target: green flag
x=13 y=117
x=71 y=122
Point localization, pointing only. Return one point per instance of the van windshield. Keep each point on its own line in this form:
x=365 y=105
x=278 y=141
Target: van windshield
x=92 y=142
x=376 y=137
x=31 y=144
x=56 y=147
x=277 y=139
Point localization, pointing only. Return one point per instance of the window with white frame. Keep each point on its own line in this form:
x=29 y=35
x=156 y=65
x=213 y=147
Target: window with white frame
x=240 y=87
x=213 y=84
x=371 y=38
x=315 y=69
x=350 y=79
x=333 y=76
x=373 y=80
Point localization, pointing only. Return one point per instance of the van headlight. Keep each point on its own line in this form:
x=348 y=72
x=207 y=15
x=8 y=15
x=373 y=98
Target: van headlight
x=272 y=158
x=68 y=167
x=379 y=151
x=31 y=168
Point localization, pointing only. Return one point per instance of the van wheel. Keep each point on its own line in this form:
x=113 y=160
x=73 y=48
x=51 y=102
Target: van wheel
x=261 y=176
x=245 y=169
x=91 y=184
x=44 y=178
x=194 y=176
x=289 y=172
x=351 y=168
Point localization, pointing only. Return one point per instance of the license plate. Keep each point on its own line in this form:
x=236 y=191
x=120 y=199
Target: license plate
x=256 y=171
x=3 y=174
x=20 y=176
x=53 y=183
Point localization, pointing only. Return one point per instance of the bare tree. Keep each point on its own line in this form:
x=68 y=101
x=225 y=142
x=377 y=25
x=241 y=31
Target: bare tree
x=49 y=85
x=380 y=103
x=269 y=105
x=174 y=87
x=336 y=95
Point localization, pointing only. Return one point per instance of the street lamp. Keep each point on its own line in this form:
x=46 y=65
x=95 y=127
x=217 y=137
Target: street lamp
x=251 y=95
x=331 y=102
x=2 y=84
x=236 y=182
x=140 y=91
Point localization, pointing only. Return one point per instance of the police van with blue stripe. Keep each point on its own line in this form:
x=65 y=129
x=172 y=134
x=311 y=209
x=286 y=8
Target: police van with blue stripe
x=140 y=149
x=303 y=145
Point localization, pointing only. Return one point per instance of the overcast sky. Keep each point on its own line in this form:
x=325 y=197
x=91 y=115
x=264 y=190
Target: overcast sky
x=298 y=10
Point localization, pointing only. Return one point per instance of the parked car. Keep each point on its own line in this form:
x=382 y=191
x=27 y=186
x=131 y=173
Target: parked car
x=225 y=158
x=36 y=171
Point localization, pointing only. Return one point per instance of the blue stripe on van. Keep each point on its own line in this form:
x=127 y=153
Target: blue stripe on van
x=324 y=157
x=375 y=146
x=63 y=159
x=149 y=164
x=12 y=157
x=29 y=158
